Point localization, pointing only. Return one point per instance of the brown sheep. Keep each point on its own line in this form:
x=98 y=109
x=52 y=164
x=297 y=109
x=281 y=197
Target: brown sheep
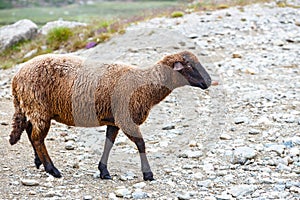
x=80 y=92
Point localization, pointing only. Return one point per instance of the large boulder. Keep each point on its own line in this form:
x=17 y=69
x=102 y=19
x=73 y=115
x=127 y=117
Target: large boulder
x=14 y=33
x=60 y=23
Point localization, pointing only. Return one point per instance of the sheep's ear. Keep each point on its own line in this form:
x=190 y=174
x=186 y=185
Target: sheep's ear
x=178 y=66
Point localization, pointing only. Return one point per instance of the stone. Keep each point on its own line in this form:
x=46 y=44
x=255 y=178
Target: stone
x=278 y=148
x=224 y=197
x=242 y=154
x=29 y=182
x=122 y=192
x=254 y=131
x=20 y=31
x=295 y=189
x=225 y=136
x=184 y=196
x=112 y=196
x=283 y=167
x=198 y=176
x=87 y=197
x=168 y=127
x=191 y=154
x=295 y=151
x=70 y=145
x=206 y=183
x=139 y=194
x=139 y=185
x=193 y=36
x=242 y=190
x=236 y=55
x=59 y=23
x=30 y=53
x=240 y=120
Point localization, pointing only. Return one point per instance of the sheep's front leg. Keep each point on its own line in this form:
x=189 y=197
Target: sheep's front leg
x=139 y=142
x=39 y=132
x=111 y=134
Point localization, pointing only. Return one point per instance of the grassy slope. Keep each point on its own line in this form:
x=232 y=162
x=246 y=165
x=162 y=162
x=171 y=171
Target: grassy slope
x=83 y=13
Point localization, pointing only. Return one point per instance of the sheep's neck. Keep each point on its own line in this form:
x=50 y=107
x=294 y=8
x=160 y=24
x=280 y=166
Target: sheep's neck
x=162 y=80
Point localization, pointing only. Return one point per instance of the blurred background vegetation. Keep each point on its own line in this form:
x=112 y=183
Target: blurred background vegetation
x=79 y=10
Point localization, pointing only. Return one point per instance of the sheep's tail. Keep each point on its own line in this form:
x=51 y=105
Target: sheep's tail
x=19 y=123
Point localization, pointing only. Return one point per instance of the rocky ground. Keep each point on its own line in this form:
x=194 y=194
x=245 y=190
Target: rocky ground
x=237 y=140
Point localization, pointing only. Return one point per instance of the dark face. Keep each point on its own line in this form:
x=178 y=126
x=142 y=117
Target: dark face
x=193 y=71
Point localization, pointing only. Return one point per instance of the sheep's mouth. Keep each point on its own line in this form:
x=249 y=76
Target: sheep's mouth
x=197 y=80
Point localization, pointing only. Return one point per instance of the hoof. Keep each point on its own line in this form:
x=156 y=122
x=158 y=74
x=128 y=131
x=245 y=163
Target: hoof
x=53 y=171
x=104 y=173
x=37 y=162
x=105 y=176
x=148 y=176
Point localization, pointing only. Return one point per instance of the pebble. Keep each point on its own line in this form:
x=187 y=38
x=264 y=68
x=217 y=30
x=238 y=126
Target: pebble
x=139 y=185
x=242 y=190
x=112 y=196
x=279 y=149
x=283 y=167
x=206 y=183
x=168 y=127
x=122 y=192
x=295 y=189
x=254 y=131
x=87 y=197
x=29 y=182
x=240 y=120
x=70 y=145
x=242 y=154
x=225 y=136
x=191 y=154
x=184 y=196
x=139 y=194
x=224 y=197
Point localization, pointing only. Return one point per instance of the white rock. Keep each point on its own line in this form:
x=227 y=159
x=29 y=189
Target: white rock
x=191 y=154
x=14 y=33
x=60 y=23
x=242 y=190
x=225 y=136
x=278 y=148
x=139 y=185
x=87 y=197
x=122 y=192
x=224 y=197
x=206 y=183
x=139 y=194
x=295 y=151
x=70 y=145
x=112 y=196
x=242 y=154
x=29 y=182
x=184 y=196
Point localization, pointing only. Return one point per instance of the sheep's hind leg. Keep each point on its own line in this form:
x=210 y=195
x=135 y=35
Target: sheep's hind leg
x=139 y=142
x=111 y=134
x=37 y=160
x=39 y=132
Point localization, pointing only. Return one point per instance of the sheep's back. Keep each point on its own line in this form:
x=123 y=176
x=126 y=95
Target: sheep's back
x=43 y=85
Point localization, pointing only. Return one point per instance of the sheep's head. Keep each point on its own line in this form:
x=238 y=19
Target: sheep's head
x=188 y=66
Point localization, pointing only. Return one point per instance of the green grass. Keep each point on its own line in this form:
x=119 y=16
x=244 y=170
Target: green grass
x=82 y=13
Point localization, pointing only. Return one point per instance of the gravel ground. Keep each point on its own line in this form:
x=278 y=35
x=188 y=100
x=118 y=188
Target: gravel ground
x=237 y=140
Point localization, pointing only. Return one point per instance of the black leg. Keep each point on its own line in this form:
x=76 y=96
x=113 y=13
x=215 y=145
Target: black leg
x=111 y=134
x=37 y=160
x=139 y=141
x=38 y=134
